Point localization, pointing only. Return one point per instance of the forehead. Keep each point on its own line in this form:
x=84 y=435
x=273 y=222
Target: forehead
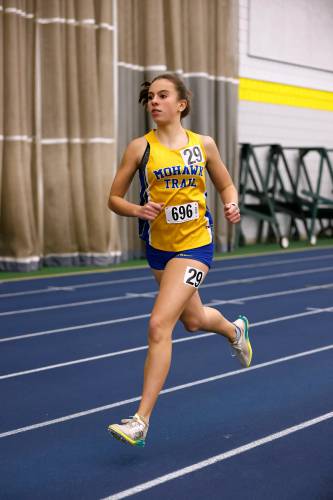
x=161 y=84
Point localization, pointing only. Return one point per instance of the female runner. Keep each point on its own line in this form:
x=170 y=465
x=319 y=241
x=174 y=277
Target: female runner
x=176 y=226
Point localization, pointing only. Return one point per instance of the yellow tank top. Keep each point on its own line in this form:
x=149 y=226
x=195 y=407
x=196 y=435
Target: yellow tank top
x=175 y=177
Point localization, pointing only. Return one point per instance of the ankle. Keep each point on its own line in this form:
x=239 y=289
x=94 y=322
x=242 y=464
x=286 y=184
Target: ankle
x=236 y=334
x=143 y=418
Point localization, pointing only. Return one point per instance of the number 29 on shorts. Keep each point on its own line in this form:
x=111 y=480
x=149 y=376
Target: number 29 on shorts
x=193 y=276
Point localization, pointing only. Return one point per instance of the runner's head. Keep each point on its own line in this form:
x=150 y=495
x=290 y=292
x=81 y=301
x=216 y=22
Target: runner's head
x=164 y=94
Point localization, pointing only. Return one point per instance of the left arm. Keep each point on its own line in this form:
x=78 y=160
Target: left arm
x=221 y=180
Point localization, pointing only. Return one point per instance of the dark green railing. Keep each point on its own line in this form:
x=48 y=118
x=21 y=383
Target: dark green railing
x=275 y=185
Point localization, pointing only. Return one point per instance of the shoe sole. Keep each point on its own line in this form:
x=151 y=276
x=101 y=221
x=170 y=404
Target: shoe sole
x=125 y=439
x=246 y=334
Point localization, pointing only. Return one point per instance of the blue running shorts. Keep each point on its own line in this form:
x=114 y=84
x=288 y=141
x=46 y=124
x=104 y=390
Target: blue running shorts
x=158 y=259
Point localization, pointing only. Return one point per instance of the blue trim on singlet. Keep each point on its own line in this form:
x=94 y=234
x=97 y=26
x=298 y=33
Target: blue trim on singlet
x=210 y=218
x=144 y=224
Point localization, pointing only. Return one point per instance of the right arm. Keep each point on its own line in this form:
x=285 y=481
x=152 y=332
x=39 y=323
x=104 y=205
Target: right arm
x=124 y=176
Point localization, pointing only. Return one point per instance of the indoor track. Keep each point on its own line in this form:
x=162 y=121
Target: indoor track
x=72 y=350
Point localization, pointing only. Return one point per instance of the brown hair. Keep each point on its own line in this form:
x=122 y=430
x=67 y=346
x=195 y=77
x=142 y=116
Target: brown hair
x=182 y=91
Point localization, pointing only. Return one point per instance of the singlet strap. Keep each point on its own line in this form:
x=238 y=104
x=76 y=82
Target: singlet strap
x=145 y=158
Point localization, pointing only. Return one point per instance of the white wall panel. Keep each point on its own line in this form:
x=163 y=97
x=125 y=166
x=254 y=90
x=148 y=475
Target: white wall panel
x=297 y=32
x=289 y=126
x=274 y=71
x=262 y=123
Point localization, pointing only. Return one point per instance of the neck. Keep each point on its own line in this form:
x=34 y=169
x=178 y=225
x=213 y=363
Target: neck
x=172 y=135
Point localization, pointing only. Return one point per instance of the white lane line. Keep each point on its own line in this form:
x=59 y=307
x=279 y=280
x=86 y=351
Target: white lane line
x=218 y=458
x=144 y=294
x=221 y=376
x=50 y=289
x=74 y=287
x=127 y=296
x=144 y=347
x=241 y=300
x=148 y=278
x=149 y=295
x=267 y=277
x=76 y=327
x=215 y=302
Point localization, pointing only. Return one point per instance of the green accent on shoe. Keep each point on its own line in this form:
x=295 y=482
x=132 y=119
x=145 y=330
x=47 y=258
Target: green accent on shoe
x=246 y=324
x=125 y=439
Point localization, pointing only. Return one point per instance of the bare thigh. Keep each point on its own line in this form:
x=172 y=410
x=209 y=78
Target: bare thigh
x=177 y=299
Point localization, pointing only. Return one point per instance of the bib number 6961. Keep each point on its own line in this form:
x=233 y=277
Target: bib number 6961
x=182 y=213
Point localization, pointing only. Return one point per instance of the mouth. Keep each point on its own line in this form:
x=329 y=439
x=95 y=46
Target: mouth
x=155 y=111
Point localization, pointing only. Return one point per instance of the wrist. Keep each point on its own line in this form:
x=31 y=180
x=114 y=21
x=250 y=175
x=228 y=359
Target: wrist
x=136 y=211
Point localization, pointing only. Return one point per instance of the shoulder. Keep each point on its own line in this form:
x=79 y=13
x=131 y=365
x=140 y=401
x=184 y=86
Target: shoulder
x=136 y=148
x=209 y=144
x=207 y=141
x=138 y=144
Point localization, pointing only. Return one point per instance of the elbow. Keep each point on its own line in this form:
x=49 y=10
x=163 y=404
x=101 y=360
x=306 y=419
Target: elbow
x=115 y=204
x=111 y=204
x=227 y=187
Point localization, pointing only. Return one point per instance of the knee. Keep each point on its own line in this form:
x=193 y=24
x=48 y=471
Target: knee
x=157 y=331
x=191 y=324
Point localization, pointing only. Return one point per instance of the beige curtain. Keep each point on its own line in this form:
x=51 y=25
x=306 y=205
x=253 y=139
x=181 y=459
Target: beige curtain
x=18 y=208
x=197 y=39
x=70 y=74
x=57 y=133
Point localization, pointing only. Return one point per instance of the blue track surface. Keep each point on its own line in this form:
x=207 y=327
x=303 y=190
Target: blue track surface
x=72 y=350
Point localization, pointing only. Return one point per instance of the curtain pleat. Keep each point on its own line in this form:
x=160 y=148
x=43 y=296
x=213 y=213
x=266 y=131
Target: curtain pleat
x=64 y=188
x=18 y=208
x=70 y=76
x=77 y=84
x=203 y=48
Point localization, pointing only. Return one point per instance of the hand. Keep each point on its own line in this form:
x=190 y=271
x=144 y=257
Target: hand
x=150 y=210
x=232 y=213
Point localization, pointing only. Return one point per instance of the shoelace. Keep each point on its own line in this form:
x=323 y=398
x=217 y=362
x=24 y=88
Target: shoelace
x=235 y=346
x=132 y=421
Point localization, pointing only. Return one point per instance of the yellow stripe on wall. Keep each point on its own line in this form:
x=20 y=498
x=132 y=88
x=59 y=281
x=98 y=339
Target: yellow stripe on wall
x=287 y=95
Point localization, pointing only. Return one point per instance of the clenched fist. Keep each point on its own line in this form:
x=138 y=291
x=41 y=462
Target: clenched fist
x=150 y=210
x=232 y=213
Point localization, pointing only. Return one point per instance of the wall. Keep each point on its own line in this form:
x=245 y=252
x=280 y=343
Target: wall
x=269 y=70
x=297 y=109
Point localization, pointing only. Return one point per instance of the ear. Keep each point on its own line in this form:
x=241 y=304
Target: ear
x=182 y=105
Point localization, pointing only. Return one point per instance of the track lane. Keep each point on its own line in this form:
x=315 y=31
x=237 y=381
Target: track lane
x=40 y=351
x=67 y=289
x=78 y=460
x=259 y=472
x=104 y=311
x=80 y=387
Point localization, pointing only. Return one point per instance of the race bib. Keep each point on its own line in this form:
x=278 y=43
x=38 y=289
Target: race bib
x=192 y=155
x=193 y=276
x=182 y=213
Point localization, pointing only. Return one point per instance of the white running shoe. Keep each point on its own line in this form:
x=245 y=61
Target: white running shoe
x=242 y=348
x=132 y=430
